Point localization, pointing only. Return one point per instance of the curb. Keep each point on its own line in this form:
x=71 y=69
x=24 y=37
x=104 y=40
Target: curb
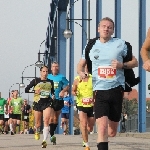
x=136 y=135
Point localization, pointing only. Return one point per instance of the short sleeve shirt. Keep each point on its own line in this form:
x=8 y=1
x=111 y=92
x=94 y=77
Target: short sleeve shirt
x=101 y=55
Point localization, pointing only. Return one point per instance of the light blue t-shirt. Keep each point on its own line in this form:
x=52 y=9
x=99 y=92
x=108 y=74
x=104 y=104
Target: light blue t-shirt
x=60 y=82
x=103 y=76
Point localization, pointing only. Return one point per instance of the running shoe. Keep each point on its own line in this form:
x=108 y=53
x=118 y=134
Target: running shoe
x=37 y=136
x=53 y=140
x=87 y=148
x=12 y=133
x=83 y=144
x=44 y=144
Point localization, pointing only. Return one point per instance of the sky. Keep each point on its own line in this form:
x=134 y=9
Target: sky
x=23 y=25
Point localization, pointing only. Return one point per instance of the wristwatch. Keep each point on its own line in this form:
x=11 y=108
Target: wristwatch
x=124 y=66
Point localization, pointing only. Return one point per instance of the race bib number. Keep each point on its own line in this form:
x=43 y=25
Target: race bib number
x=66 y=103
x=87 y=101
x=106 y=72
x=56 y=85
x=16 y=103
x=25 y=117
x=44 y=94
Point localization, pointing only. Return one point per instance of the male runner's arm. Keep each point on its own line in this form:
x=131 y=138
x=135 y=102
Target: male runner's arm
x=127 y=65
x=6 y=107
x=10 y=107
x=145 y=52
x=65 y=87
x=131 y=64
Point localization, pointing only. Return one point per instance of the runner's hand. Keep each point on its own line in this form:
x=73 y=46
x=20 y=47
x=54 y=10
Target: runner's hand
x=53 y=97
x=83 y=75
x=146 y=65
x=10 y=111
x=38 y=91
x=61 y=94
x=74 y=93
x=116 y=64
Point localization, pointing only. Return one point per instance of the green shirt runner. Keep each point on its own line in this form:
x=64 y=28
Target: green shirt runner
x=2 y=104
x=16 y=105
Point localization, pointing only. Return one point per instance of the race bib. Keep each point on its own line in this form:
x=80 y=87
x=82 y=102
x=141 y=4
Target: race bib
x=16 y=103
x=6 y=115
x=56 y=85
x=25 y=117
x=1 y=108
x=66 y=103
x=106 y=72
x=87 y=101
x=44 y=94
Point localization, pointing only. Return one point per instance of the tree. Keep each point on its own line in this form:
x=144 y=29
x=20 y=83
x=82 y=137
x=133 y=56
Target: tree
x=130 y=107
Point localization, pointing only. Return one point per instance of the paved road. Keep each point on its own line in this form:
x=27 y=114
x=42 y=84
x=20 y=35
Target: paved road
x=71 y=142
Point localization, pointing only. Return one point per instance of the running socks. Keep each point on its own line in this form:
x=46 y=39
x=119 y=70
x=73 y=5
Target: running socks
x=45 y=133
x=52 y=128
x=55 y=126
x=102 y=146
x=11 y=127
x=86 y=144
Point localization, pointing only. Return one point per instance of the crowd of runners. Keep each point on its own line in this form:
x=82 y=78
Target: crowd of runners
x=99 y=88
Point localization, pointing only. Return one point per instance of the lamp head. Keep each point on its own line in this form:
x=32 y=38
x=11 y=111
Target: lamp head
x=67 y=33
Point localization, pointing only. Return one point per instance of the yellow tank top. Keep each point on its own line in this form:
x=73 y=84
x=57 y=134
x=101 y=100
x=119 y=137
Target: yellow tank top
x=85 y=93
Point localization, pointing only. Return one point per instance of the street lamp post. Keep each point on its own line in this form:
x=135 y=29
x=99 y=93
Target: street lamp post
x=68 y=34
x=22 y=85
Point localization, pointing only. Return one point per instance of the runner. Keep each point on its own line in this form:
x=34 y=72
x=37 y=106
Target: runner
x=105 y=60
x=42 y=104
x=25 y=117
x=3 y=102
x=84 y=92
x=6 y=118
x=60 y=87
x=16 y=106
x=65 y=112
x=10 y=112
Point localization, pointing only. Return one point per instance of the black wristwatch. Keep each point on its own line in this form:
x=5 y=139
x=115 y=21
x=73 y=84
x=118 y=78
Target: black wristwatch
x=124 y=66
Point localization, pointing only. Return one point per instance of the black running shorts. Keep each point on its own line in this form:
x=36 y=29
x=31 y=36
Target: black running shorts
x=87 y=110
x=109 y=103
x=1 y=116
x=16 y=116
x=25 y=118
x=6 y=119
x=58 y=104
x=42 y=104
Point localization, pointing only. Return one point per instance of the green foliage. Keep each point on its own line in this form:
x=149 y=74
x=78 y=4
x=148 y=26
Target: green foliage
x=130 y=107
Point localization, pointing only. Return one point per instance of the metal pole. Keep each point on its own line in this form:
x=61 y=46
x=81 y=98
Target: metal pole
x=19 y=89
x=142 y=73
x=35 y=72
x=88 y=20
